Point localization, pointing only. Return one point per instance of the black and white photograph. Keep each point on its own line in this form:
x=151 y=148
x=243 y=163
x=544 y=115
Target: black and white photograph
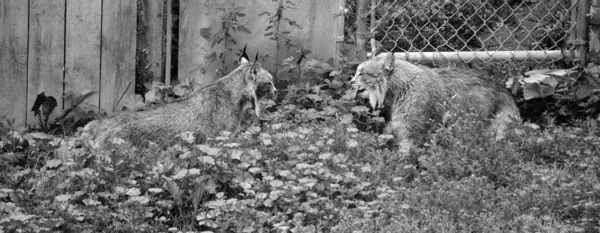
x=300 y=116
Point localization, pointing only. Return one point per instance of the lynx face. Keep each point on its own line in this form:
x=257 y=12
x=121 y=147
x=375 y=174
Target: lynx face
x=259 y=83
x=265 y=86
x=263 y=79
x=370 y=82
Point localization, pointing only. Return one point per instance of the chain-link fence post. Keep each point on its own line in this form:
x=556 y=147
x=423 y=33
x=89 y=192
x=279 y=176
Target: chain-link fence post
x=582 y=30
x=361 y=29
x=372 y=26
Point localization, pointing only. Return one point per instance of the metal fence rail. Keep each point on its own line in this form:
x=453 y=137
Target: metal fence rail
x=474 y=30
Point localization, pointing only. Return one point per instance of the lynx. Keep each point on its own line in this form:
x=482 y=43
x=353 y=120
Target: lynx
x=219 y=106
x=417 y=98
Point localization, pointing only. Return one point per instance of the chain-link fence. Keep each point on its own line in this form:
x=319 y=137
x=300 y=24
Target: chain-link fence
x=484 y=30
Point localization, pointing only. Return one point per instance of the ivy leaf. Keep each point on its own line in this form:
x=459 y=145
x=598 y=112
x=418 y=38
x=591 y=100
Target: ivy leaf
x=537 y=90
x=347 y=118
x=325 y=156
x=91 y=202
x=140 y=199
x=216 y=204
x=266 y=139
x=212 y=57
x=313 y=114
x=254 y=170
x=294 y=24
x=181 y=174
x=38 y=136
x=194 y=171
x=351 y=130
x=235 y=154
x=205 y=33
x=232 y=145
x=268 y=203
x=351 y=143
x=53 y=163
x=133 y=192
x=329 y=111
x=209 y=150
x=18 y=216
x=359 y=109
x=276 y=183
x=62 y=197
x=244 y=29
x=314 y=97
x=155 y=190
x=207 y=159
x=187 y=136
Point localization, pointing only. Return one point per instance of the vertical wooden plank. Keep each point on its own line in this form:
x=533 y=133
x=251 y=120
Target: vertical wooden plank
x=195 y=15
x=82 y=58
x=319 y=22
x=324 y=28
x=339 y=32
x=150 y=39
x=168 y=41
x=46 y=53
x=13 y=60
x=118 y=53
x=256 y=41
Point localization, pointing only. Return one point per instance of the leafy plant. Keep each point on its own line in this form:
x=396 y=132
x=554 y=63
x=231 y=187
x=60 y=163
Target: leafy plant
x=230 y=24
x=275 y=31
x=42 y=108
x=311 y=169
x=77 y=114
x=561 y=95
x=10 y=137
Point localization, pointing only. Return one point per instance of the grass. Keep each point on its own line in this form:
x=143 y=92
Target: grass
x=310 y=170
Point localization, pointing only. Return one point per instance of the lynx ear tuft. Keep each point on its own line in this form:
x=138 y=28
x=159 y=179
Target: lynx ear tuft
x=243 y=57
x=255 y=68
x=388 y=62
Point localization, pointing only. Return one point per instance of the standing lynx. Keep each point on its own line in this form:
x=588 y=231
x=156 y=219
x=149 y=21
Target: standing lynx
x=417 y=98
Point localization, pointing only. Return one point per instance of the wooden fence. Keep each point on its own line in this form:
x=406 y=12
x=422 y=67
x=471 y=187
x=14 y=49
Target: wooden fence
x=321 y=31
x=77 y=46
x=62 y=46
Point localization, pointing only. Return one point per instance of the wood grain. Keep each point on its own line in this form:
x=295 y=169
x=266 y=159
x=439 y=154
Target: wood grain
x=82 y=62
x=46 y=53
x=13 y=60
x=118 y=53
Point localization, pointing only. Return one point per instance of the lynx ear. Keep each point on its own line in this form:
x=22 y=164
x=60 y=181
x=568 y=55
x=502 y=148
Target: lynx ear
x=253 y=72
x=255 y=68
x=243 y=57
x=388 y=62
